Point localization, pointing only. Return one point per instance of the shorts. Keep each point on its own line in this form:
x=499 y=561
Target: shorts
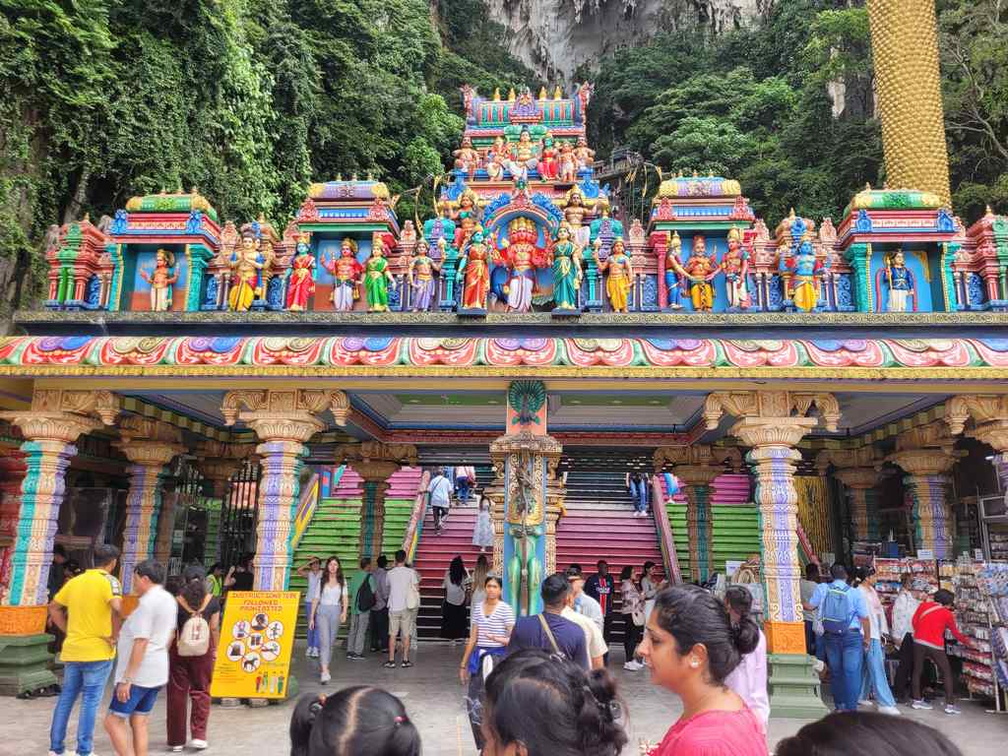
x=141 y=701
x=401 y=620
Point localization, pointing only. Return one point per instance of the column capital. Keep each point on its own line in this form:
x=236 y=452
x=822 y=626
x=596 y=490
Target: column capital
x=771 y=405
x=858 y=478
x=218 y=462
x=858 y=456
x=64 y=415
x=758 y=432
x=925 y=450
x=989 y=413
x=373 y=456
x=149 y=442
x=265 y=407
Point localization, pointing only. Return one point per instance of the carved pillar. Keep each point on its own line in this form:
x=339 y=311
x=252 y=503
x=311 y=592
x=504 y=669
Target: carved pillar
x=375 y=462
x=525 y=461
x=12 y=473
x=860 y=483
x=925 y=454
x=772 y=424
x=283 y=420
x=149 y=445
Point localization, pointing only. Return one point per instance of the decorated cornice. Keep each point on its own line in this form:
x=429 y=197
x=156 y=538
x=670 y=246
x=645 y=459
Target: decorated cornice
x=947 y=359
x=64 y=414
x=780 y=405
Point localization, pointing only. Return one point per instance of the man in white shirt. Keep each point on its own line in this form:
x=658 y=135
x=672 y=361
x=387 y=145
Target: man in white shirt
x=403 y=590
x=440 y=491
x=142 y=665
x=586 y=612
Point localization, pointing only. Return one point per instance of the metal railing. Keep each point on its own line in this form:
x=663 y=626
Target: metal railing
x=664 y=529
x=411 y=539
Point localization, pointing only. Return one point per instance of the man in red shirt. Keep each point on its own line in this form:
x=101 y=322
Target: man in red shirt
x=930 y=622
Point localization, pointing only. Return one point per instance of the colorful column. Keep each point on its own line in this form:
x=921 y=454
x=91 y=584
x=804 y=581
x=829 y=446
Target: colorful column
x=149 y=445
x=525 y=461
x=772 y=424
x=284 y=420
x=56 y=419
x=926 y=455
x=12 y=474
x=696 y=480
x=860 y=484
x=375 y=463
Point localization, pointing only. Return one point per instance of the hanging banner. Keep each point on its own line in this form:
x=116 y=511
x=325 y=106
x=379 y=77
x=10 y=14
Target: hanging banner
x=256 y=641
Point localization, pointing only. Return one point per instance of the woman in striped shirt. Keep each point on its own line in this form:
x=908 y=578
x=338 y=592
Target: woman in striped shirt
x=492 y=622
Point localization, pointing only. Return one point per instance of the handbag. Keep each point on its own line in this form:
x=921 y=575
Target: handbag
x=412 y=597
x=637 y=616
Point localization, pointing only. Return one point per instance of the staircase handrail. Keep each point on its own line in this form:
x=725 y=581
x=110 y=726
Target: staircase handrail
x=307 y=504
x=806 y=548
x=413 y=530
x=664 y=529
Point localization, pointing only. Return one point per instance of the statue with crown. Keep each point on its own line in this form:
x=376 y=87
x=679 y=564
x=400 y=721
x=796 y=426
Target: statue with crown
x=520 y=254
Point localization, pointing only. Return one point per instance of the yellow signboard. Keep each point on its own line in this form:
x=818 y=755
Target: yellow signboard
x=256 y=640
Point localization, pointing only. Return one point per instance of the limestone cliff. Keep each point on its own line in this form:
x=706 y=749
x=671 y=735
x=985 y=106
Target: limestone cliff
x=554 y=37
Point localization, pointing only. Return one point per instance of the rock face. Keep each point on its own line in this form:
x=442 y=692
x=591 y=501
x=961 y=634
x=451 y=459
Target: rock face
x=554 y=37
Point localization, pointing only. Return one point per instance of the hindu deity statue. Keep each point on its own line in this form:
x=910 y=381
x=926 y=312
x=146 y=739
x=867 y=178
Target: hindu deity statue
x=620 y=279
x=474 y=272
x=575 y=210
x=900 y=282
x=735 y=265
x=806 y=270
x=345 y=270
x=420 y=275
x=466 y=217
x=246 y=270
x=549 y=162
x=568 y=163
x=467 y=159
x=496 y=159
x=301 y=284
x=521 y=256
x=524 y=156
x=584 y=154
x=700 y=270
x=566 y=270
x=673 y=271
x=377 y=276
x=161 y=280
x=441 y=227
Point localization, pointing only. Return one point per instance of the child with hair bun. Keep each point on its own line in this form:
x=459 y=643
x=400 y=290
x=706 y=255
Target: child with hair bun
x=691 y=648
x=749 y=678
x=355 y=721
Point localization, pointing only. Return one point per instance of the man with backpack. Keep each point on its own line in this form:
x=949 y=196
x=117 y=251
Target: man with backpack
x=844 y=614
x=362 y=601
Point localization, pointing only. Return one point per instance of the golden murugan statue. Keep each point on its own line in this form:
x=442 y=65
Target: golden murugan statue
x=246 y=267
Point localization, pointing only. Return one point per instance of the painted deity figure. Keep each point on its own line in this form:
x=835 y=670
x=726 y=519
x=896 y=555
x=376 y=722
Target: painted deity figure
x=574 y=215
x=246 y=269
x=377 y=277
x=549 y=162
x=673 y=272
x=568 y=163
x=700 y=270
x=805 y=270
x=467 y=159
x=465 y=217
x=301 y=284
x=584 y=154
x=519 y=252
x=620 y=280
x=524 y=156
x=161 y=280
x=474 y=272
x=900 y=282
x=735 y=265
x=566 y=270
x=496 y=159
x=421 y=277
x=344 y=269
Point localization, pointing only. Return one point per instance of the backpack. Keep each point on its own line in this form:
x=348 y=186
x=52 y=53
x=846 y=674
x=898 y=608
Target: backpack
x=365 y=596
x=194 y=639
x=836 y=610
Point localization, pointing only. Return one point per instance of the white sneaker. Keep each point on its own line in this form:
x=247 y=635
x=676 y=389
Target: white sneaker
x=818 y=665
x=199 y=745
x=864 y=702
x=953 y=710
x=176 y=749
x=633 y=666
x=924 y=705
x=892 y=710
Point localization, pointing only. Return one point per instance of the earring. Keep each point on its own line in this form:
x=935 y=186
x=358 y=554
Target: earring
x=694 y=663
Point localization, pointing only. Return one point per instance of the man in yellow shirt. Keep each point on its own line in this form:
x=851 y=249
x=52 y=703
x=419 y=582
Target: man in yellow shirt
x=89 y=610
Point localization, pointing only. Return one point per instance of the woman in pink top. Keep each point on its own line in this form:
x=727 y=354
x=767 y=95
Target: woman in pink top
x=691 y=648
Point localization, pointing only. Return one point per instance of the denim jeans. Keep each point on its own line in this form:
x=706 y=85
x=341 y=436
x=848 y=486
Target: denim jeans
x=874 y=677
x=638 y=490
x=313 y=637
x=85 y=679
x=843 y=655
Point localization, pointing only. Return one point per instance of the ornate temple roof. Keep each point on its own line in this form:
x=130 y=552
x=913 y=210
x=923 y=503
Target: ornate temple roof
x=893 y=199
x=178 y=202
x=698 y=187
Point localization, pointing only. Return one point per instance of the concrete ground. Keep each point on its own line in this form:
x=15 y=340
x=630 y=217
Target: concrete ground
x=434 y=699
